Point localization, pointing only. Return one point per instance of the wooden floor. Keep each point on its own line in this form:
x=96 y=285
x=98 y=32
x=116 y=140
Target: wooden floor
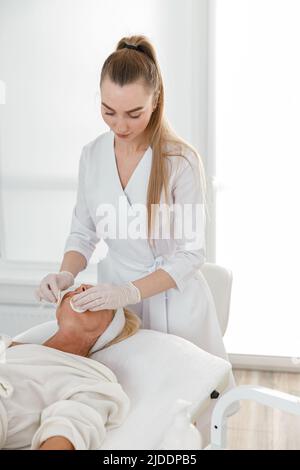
x=260 y=427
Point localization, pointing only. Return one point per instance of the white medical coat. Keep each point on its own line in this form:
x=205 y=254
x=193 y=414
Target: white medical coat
x=187 y=310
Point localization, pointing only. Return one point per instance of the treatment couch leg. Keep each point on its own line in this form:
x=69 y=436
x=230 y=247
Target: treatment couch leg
x=262 y=395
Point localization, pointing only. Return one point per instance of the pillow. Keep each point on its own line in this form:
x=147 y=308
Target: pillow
x=155 y=369
x=37 y=334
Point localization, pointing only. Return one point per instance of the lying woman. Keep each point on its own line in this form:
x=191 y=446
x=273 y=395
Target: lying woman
x=54 y=396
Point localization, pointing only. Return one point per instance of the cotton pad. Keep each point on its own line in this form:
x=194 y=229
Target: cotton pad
x=59 y=297
x=61 y=294
x=77 y=309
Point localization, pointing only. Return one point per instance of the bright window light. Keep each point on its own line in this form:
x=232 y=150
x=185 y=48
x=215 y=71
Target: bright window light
x=258 y=163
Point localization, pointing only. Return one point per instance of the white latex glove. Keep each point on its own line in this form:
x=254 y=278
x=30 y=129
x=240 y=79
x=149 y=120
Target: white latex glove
x=51 y=285
x=104 y=296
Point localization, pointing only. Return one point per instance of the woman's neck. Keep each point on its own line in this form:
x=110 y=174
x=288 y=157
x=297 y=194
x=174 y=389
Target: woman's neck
x=75 y=344
x=130 y=149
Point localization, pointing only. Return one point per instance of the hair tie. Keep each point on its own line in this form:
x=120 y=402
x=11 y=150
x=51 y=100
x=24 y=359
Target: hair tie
x=137 y=48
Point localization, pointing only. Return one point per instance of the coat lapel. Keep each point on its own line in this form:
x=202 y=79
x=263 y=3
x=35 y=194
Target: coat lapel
x=136 y=188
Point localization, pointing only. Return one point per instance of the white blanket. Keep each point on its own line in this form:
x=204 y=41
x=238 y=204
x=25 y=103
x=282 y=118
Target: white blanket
x=56 y=393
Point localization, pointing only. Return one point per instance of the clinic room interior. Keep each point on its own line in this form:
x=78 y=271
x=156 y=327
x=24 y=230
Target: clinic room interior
x=149 y=159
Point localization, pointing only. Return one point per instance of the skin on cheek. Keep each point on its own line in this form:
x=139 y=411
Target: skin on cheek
x=65 y=315
x=87 y=322
x=135 y=126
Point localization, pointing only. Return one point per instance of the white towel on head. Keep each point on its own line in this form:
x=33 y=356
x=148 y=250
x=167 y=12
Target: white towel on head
x=112 y=331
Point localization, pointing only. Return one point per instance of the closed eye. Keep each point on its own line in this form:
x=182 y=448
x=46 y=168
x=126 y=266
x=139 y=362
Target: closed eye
x=133 y=117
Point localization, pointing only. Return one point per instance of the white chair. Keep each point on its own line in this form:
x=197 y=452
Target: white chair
x=219 y=280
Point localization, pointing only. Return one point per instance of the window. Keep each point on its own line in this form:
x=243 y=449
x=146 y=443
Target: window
x=257 y=99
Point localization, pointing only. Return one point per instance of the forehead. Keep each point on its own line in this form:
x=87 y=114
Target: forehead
x=132 y=95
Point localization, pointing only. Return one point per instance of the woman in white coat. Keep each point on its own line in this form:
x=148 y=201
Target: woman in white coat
x=124 y=174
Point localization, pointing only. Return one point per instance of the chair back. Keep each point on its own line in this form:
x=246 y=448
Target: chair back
x=219 y=280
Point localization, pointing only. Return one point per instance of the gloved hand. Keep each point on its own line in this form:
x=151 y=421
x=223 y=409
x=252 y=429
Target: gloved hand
x=106 y=296
x=53 y=283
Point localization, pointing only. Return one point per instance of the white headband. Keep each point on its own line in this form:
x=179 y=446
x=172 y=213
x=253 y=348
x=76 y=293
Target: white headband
x=112 y=331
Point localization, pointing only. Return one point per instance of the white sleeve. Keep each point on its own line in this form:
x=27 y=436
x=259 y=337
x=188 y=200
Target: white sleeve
x=83 y=236
x=189 y=224
x=84 y=418
x=83 y=425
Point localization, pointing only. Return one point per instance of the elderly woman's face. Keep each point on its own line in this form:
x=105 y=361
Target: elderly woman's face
x=94 y=323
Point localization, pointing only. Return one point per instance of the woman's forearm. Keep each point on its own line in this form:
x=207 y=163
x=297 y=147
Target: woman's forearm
x=154 y=283
x=74 y=262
